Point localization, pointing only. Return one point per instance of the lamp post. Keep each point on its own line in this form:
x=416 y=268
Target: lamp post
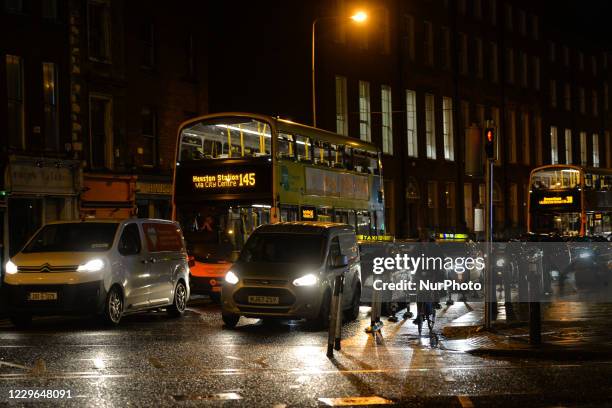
x=358 y=17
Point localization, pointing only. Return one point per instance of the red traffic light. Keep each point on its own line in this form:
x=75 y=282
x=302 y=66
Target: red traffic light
x=489 y=135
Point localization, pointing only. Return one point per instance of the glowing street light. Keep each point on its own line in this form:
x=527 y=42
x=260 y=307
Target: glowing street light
x=359 y=17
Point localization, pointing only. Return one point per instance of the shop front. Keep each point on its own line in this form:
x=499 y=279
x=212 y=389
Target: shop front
x=108 y=196
x=37 y=191
x=154 y=197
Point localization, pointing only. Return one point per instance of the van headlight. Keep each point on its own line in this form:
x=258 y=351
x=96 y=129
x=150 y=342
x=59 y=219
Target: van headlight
x=231 y=278
x=306 y=280
x=11 y=268
x=94 y=265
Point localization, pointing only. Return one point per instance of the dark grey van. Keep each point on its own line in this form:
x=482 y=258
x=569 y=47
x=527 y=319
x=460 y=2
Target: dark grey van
x=287 y=270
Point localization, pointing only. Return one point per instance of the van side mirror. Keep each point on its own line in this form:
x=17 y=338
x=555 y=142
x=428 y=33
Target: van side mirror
x=340 y=261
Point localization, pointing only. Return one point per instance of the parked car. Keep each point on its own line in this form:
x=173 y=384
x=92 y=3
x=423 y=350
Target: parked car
x=287 y=270
x=108 y=268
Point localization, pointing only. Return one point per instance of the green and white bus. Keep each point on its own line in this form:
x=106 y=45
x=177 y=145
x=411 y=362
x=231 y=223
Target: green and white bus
x=235 y=171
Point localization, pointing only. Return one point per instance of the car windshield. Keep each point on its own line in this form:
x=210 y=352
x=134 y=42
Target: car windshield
x=283 y=248
x=74 y=237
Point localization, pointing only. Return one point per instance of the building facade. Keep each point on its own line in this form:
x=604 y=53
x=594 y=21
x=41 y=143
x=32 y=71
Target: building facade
x=414 y=78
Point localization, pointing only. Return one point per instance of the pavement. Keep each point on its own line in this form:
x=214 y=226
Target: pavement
x=152 y=360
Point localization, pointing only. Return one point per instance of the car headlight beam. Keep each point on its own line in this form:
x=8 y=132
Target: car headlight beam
x=231 y=278
x=11 y=268
x=306 y=280
x=94 y=265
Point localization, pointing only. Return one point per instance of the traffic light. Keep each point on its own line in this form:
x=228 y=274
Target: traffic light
x=490 y=142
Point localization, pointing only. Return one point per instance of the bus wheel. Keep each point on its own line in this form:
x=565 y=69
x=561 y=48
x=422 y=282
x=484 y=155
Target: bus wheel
x=230 y=320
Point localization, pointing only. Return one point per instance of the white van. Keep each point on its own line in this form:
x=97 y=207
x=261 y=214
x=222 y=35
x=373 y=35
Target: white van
x=108 y=268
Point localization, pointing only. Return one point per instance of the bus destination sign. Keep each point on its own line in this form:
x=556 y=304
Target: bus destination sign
x=556 y=200
x=224 y=180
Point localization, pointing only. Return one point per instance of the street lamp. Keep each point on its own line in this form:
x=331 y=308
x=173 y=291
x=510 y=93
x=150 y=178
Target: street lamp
x=359 y=17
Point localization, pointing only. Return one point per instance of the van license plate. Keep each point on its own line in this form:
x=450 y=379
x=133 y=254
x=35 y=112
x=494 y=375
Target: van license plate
x=264 y=300
x=42 y=296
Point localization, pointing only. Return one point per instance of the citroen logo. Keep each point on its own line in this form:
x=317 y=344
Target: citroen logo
x=45 y=268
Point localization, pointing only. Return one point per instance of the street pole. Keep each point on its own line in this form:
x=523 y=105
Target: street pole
x=312 y=68
x=489 y=240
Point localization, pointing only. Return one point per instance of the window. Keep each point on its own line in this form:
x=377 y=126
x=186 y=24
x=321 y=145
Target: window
x=567 y=97
x=524 y=69
x=100 y=132
x=387 y=119
x=478 y=9
x=512 y=133
x=493 y=11
x=468 y=207
x=99 y=30
x=553 y=93
x=535 y=27
x=536 y=73
x=365 y=125
x=582 y=100
x=430 y=126
x=409 y=27
x=522 y=22
x=162 y=237
x=538 y=137
x=510 y=65
x=514 y=204
x=479 y=58
x=583 y=149
x=428 y=45
x=449 y=198
x=447 y=128
x=552 y=51
x=494 y=63
x=411 y=124
x=554 y=146
x=508 y=16
x=51 y=127
x=15 y=91
x=149 y=134
x=147 y=37
x=595 y=150
x=129 y=243
x=595 y=103
x=526 y=139
x=49 y=9
x=463 y=53
x=568 y=147
x=446 y=48
x=432 y=202
x=341 y=106
x=386 y=32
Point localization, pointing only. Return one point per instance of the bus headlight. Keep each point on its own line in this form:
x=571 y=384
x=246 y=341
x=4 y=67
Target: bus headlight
x=231 y=278
x=94 y=265
x=10 y=268
x=306 y=280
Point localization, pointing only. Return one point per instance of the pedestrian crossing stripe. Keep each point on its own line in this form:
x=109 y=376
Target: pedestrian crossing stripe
x=351 y=401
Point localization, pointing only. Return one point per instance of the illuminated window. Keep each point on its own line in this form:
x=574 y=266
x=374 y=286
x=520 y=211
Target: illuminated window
x=447 y=128
x=595 y=150
x=411 y=124
x=430 y=126
x=14 y=86
x=387 y=119
x=341 y=106
x=554 y=145
x=365 y=120
x=583 y=149
x=50 y=92
x=568 y=146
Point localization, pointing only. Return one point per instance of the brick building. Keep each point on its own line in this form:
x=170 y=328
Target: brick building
x=412 y=79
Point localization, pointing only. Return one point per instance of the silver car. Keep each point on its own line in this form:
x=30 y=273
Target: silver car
x=287 y=270
x=108 y=268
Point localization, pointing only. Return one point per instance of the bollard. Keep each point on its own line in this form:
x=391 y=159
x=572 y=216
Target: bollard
x=335 y=323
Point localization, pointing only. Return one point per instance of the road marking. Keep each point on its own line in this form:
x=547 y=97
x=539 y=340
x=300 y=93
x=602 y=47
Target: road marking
x=222 y=396
x=465 y=401
x=7 y=364
x=351 y=401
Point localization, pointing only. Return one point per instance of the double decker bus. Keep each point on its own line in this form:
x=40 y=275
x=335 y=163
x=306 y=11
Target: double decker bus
x=570 y=201
x=236 y=171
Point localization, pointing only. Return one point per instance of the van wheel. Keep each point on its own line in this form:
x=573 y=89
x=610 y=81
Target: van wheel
x=113 y=308
x=21 y=320
x=230 y=320
x=353 y=312
x=180 y=301
x=322 y=320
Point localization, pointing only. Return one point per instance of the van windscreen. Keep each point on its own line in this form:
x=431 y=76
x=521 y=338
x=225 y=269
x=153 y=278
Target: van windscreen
x=283 y=248
x=74 y=237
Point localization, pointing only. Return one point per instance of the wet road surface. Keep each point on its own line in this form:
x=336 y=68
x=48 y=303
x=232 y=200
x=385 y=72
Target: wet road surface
x=153 y=360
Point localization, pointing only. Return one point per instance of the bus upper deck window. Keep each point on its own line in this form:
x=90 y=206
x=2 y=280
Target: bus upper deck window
x=334 y=157
x=303 y=148
x=320 y=153
x=347 y=157
x=285 y=146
